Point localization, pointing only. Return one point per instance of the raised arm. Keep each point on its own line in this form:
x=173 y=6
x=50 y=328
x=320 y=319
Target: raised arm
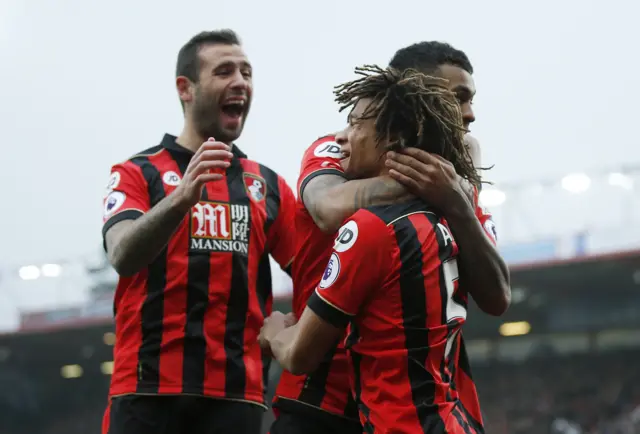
x=331 y=199
x=482 y=270
x=135 y=233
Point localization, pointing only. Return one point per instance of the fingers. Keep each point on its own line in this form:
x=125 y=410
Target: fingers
x=407 y=168
x=211 y=144
x=209 y=159
x=408 y=182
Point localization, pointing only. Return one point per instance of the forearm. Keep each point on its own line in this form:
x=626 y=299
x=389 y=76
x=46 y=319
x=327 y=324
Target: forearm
x=281 y=348
x=333 y=199
x=482 y=270
x=145 y=238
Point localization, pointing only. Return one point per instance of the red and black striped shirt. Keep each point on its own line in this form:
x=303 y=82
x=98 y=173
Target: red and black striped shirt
x=328 y=387
x=188 y=323
x=393 y=274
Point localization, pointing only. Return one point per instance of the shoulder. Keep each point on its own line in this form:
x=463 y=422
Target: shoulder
x=390 y=214
x=364 y=228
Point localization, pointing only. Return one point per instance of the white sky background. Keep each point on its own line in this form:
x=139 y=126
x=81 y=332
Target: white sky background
x=86 y=84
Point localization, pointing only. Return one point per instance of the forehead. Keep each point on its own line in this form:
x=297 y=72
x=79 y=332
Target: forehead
x=458 y=78
x=360 y=107
x=212 y=55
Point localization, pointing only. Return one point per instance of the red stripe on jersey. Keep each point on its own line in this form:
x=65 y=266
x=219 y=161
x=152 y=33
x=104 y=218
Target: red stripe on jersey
x=218 y=299
x=174 y=316
x=188 y=322
x=328 y=387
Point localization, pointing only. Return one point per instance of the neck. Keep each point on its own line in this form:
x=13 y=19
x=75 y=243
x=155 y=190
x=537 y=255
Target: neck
x=190 y=138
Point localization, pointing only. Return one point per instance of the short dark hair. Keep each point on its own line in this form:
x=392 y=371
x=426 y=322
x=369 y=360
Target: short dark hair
x=188 y=58
x=428 y=56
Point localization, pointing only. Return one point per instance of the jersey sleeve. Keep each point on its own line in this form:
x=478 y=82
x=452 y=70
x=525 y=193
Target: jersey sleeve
x=282 y=236
x=485 y=218
x=358 y=265
x=322 y=158
x=127 y=195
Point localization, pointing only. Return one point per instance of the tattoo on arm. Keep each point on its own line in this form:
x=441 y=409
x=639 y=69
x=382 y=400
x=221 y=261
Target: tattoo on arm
x=331 y=199
x=137 y=245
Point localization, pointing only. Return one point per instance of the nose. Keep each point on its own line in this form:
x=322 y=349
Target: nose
x=239 y=81
x=341 y=137
x=467 y=114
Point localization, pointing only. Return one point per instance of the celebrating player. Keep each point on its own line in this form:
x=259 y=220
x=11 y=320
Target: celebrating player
x=188 y=225
x=321 y=401
x=393 y=271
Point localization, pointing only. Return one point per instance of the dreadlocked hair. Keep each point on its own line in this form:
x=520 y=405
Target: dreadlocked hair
x=412 y=110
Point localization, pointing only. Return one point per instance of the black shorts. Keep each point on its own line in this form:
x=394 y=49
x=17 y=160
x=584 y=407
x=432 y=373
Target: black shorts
x=312 y=421
x=157 y=414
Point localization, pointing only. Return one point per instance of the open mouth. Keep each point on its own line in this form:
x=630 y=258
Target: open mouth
x=234 y=109
x=345 y=155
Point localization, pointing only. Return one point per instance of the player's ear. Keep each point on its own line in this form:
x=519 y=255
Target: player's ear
x=185 y=89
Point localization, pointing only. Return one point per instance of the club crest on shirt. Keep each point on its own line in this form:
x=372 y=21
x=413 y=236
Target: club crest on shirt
x=256 y=186
x=331 y=273
x=219 y=227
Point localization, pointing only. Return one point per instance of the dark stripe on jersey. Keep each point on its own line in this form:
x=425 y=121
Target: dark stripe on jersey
x=413 y=299
x=152 y=310
x=194 y=345
x=263 y=292
x=356 y=360
x=315 y=385
x=238 y=304
x=273 y=196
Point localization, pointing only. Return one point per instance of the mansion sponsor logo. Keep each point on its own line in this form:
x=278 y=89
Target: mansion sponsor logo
x=219 y=227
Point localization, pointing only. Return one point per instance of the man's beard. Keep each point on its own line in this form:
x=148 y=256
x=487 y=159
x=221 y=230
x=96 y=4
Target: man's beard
x=206 y=118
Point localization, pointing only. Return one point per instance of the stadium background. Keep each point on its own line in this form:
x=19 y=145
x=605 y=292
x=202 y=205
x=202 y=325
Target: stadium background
x=564 y=359
x=554 y=95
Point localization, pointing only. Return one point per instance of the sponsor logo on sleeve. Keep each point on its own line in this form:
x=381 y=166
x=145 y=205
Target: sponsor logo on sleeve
x=114 y=181
x=171 y=178
x=328 y=150
x=331 y=273
x=347 y=236
x=113 y=202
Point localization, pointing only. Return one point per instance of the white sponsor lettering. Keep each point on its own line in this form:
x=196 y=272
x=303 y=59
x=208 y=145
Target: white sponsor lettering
x=347 y=236
x=171 y=178
x=446 y=235
x=328 y=150
x=220 y=227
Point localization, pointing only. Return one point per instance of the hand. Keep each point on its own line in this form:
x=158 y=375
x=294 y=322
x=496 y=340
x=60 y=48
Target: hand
x=206 y=165
x=433 y=179
x=273 y=325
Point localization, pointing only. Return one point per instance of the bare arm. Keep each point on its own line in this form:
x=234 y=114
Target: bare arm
x=330 y=199
x=134 y=244
x=301 y=348
x=483 y=271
